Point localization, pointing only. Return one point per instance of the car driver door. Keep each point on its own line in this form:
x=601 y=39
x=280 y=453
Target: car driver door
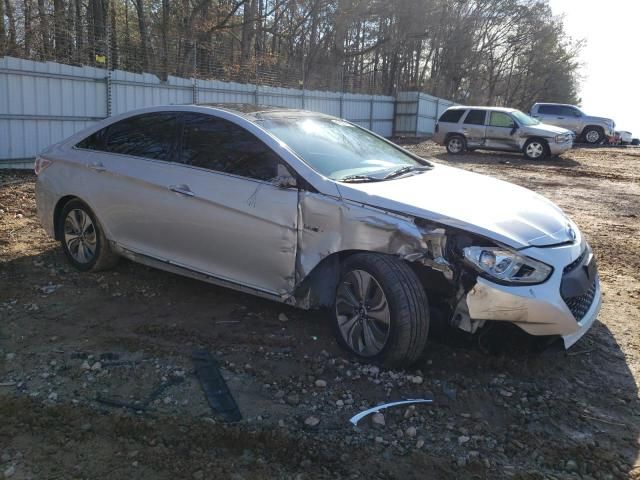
x=237 y=223
x=501 y=131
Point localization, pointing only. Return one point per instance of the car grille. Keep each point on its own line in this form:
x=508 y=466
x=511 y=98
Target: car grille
x=580 y=305
x=576 y=262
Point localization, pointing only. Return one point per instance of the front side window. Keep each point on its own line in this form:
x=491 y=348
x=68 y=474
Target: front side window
x=549 y=109
x=340 y=150
x=524 y=119
x=501 y=119
x=570 y=112
x=475 y=117
x=150 y=135
x=219 y=145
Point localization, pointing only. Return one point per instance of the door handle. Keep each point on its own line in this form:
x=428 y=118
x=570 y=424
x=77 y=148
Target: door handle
x=560 y=118
x=182 y=190
x=97 y=166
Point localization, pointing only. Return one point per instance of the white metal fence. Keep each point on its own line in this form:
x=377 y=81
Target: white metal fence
x=417 y=113
x=44 y=102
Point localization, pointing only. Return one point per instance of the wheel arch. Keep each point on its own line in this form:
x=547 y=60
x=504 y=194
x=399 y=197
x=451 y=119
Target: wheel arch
x=544 y=141
x=454 y=134
x=57 y=211
x=318 y=288
x=593 y=126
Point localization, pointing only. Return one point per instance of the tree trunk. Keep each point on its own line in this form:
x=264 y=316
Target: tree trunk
x=3 y=34
x=79 y=31
x=44 y=30
x=248 y=32
x=28 y=32
x=115 y=59
x=12 y=47
x=165 y=39
x=60 y=34
x=142 y=27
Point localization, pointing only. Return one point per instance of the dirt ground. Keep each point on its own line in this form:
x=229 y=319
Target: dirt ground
x=68 y=338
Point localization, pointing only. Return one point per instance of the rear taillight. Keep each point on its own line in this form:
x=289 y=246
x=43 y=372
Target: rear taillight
x=40 y=164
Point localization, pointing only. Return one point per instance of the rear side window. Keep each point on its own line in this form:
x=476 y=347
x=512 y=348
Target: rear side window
x=475 y=117
x=550 y=109
x=501 y=119
x=451 y=116
x=219 y=145
x=150 y=136
x=94 y=141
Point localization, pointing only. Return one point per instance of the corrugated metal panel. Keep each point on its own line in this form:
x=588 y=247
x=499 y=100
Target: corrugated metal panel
x=44 y=102
x=417 y=113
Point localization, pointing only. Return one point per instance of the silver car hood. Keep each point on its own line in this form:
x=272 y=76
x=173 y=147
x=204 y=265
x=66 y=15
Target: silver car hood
x=476 y=203
x=545 y=130
x=589 y=118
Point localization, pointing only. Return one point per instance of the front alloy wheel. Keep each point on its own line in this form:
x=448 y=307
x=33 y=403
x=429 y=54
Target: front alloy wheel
x=363 y=313
x=593 y=136
x=534 y=149
x=380 y=311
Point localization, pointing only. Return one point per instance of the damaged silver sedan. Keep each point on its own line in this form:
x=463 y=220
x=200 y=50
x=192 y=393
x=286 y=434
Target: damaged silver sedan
x=314 y=211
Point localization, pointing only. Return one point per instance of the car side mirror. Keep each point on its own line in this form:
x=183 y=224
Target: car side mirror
x=514 y=129
x=284 y=179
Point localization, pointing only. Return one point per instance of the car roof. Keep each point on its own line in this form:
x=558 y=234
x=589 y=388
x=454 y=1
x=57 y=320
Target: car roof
x=558 y=104
x=253 y=112
x=495 y=109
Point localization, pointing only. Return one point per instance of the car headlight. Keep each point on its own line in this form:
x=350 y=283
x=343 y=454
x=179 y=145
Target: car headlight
x=562 y=138
x=506 y=266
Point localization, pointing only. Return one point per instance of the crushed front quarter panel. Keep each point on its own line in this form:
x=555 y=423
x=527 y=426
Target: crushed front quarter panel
x=329 y=225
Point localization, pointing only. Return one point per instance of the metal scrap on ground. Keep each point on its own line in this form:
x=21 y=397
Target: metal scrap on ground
x=142 y=406
x=356 y=418
x=214 y=386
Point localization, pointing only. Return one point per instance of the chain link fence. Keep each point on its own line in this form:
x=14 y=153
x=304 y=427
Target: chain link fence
x=80 y=42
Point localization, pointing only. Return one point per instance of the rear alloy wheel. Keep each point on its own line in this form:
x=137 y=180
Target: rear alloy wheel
x=380 y=310
x=535 y=149
x=455 y=144
x=593 y=135
x=82 y=239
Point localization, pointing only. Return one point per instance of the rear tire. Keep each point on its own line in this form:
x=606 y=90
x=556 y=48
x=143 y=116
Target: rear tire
x=83 y=240
x=456 y=144
x=380 y=311
x=535 y=149
x=593 y=135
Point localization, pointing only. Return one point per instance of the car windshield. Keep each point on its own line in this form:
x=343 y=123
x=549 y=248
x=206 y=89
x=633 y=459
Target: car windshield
x=340 y=150
x=524 y=119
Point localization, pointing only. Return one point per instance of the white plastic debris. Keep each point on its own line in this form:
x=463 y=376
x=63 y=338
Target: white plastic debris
x=356 y=418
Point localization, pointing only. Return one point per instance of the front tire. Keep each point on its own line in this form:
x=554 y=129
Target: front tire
x=380 y=311
x=455 y=144
x=593 y=135
x=83 y=240
x=535 y=149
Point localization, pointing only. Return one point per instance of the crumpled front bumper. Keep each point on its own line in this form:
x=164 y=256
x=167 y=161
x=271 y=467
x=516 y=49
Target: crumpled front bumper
x=539 y=309
x=559 y=148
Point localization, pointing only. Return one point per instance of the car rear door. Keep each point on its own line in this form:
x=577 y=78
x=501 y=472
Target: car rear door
x=501 y=129
x=473 y=127
x=132 y=166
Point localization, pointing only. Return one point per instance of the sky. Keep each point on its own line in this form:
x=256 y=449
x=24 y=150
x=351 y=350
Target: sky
x=611 y=57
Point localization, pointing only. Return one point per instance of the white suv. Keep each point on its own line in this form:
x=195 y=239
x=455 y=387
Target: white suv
x=593 y=130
